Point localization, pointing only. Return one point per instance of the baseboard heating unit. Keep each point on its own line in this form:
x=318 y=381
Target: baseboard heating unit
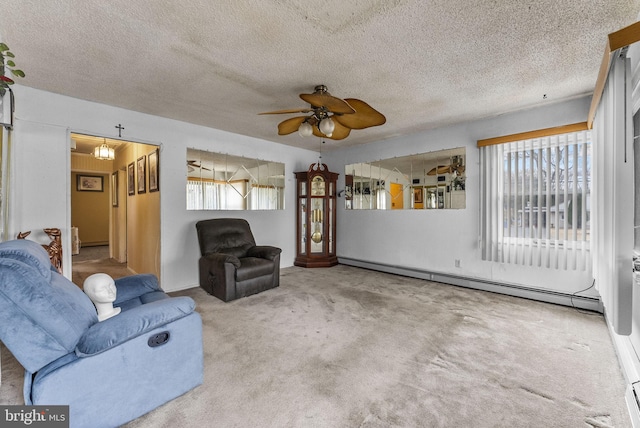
x=633 y=403
x=582 y=302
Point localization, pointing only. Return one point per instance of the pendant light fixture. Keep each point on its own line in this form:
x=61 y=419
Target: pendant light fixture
x=104 y=152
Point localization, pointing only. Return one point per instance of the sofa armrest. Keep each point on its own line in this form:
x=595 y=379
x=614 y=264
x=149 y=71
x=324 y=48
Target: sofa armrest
x=132 y=323
x=134 y=286
x=218 y=260
x=264 y=252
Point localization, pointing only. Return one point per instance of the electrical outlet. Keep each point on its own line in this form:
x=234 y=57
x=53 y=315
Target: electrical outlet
x=457 y=262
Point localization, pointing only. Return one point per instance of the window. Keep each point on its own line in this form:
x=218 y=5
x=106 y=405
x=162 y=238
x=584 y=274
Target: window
x=536 y=196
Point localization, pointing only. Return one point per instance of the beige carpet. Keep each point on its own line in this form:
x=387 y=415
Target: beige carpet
x=95 y=259
x=347 y=347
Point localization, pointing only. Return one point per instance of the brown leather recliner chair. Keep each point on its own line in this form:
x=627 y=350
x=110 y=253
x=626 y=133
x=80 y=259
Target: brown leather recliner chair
x=232 y=265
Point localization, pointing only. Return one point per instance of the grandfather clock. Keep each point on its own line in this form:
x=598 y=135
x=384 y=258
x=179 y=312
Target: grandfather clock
x=316 y=217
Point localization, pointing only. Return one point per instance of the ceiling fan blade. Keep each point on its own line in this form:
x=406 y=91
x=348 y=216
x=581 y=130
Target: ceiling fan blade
x=364 y=117
x=348 y=114
x=339 y=132
x=331 y=103
x=192 y=165
x=439 y=170
x=289 y=126
x=289 y=111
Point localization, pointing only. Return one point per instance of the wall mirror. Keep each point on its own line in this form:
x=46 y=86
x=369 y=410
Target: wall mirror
x=218 y=181
x=434 y=180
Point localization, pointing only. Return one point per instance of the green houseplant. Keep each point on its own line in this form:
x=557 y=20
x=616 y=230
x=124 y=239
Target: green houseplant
x=7 y=63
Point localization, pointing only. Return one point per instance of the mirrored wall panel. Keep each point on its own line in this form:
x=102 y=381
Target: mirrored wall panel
x=217 y=181
x=434 y=180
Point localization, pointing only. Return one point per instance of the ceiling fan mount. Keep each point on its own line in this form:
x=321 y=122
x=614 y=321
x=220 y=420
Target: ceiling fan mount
x=330 y=117
x=321 y=89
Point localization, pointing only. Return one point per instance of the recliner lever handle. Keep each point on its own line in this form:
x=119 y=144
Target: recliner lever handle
x=158 y=339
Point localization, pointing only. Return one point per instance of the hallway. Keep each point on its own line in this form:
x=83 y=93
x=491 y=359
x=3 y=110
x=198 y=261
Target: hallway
x=95 y=260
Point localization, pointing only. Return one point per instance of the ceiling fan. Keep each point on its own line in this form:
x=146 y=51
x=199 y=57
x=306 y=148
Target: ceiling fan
x=455 y=166
x=192 y=166
x=330 y=117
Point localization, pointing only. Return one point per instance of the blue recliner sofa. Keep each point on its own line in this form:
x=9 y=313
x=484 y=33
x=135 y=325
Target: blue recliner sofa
x=108 y=372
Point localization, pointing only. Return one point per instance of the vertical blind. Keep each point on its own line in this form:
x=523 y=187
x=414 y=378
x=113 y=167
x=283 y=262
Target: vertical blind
x=210 y=195
x=266 y=198
x=535 y=204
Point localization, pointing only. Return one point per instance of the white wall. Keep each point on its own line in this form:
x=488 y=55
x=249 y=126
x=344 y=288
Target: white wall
x=424 y=239
x=432 y=240
x=40 y=190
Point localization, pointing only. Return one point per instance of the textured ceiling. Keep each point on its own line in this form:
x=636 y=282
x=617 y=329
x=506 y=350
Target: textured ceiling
x=423 y=64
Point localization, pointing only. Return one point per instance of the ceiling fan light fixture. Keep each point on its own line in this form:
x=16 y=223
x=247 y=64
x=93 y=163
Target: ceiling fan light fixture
x=331 y=117
x=327 y=126
x=305 y=130
x=104 y=152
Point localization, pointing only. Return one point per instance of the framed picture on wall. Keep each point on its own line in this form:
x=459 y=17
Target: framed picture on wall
x=131 y=183
x=89 y=183
x=114 y=189
x=417 y=195
x=142 y=174
x=154 y=171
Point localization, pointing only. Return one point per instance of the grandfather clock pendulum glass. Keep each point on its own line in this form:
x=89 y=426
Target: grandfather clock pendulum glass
x=316 y=217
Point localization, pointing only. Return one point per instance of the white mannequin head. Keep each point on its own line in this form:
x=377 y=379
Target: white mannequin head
x=101 y=289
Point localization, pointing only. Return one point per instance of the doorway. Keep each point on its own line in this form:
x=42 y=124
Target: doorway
x=107 y=205
x=397 y=196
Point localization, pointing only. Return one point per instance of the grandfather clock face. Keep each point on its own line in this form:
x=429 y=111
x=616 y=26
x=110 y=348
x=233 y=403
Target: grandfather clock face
x=317 y=186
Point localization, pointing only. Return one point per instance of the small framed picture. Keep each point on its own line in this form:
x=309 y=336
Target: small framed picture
x=131 y=180
x=90 y=183
x=114 y=189
x=142 y=174
x=154 y=171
